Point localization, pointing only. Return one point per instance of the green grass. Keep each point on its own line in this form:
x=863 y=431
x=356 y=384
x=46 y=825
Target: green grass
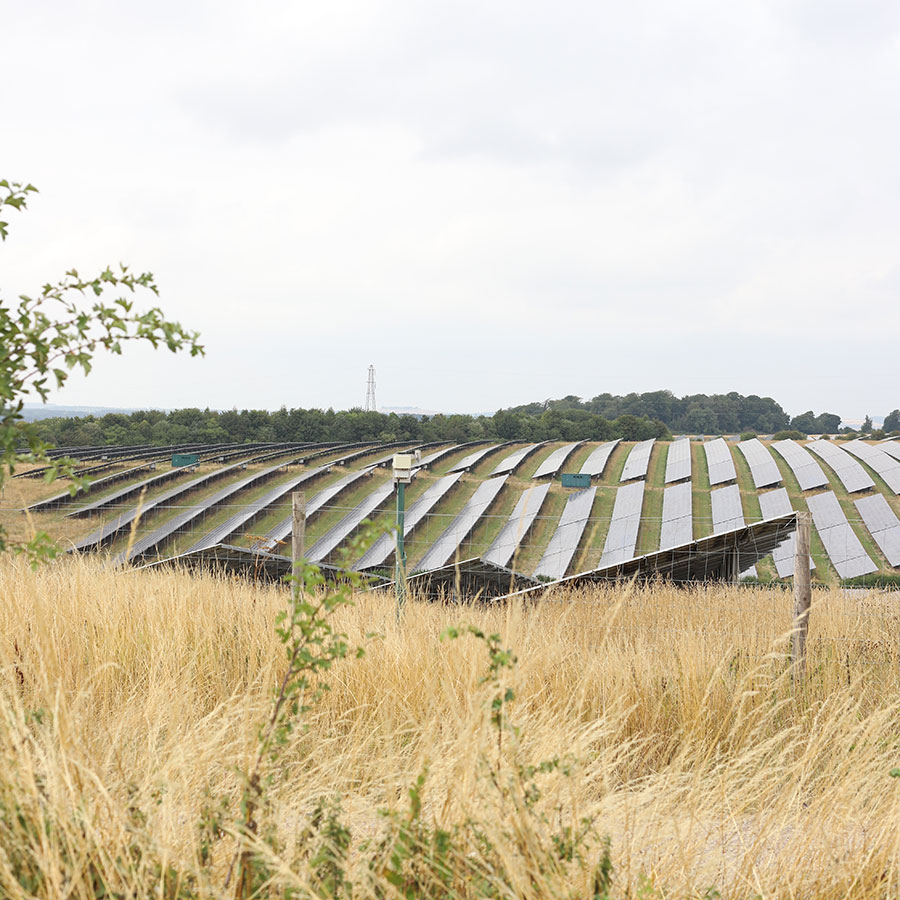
x=490 y=525
x=486 y=466
x=590 y=547
x=530 y=465
x=651 y=513
x=532 y=548
x=579 y=455
x=701 y=503
x=440 y=516
x=615 y=465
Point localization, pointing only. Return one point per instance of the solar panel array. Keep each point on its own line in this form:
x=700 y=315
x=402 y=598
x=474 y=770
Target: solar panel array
x=806 y=470
x=515 y=459
x=106 y=533
x=221 y=533
x=763 y=468
x=875 y=458
x=719 y=462
x=172 y=526
x=558 y=555
x=850 y=473
x=596 y=462
x=378 y=554
x=840 y=538
x=677 y=516
x=883 y=525
x=774 y=504
x=843 y=547
x=621 y=538
x=638 y=461
x=337 y=534
x=69 y=496
x=504 y=546
x=678 y=462
x=283 y=529
x=446 y=546
x=554 y=462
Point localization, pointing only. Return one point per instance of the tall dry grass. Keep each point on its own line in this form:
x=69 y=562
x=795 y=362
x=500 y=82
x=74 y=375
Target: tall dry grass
x=126 y=698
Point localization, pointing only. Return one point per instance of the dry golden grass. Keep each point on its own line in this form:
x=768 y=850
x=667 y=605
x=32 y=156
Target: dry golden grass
x=691 y=751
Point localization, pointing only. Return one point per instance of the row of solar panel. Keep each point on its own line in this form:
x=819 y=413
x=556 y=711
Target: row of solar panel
x=621 y=537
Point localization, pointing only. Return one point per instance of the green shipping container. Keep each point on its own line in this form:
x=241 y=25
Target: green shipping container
x=575 y=480
x=184 y=459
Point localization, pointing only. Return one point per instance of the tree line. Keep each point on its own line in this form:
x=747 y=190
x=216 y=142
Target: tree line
x=239 y=426
x=657 y=414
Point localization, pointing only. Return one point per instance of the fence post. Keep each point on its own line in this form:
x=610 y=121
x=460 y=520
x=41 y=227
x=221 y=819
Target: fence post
x=298 y=526
x=802 y=598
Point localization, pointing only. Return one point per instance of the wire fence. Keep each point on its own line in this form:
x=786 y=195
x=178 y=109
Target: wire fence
x=545 y=545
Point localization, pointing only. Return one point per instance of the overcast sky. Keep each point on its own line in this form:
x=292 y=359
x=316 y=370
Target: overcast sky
x=492 y=202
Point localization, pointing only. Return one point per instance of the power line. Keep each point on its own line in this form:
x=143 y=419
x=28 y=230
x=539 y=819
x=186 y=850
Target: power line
x=370 y=391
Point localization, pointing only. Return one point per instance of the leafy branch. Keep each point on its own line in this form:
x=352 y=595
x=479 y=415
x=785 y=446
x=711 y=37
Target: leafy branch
x=46 y=336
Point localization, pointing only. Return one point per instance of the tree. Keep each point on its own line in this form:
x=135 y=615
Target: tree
x=892 y=421
x=45 y=336
x=805 y=422
x=866 y=427
x=828 y=423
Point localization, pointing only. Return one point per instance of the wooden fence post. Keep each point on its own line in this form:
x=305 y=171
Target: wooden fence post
x=802 y=597
x=298 y=526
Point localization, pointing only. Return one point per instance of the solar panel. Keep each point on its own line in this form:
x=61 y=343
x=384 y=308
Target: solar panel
x=848 y=470
x=727 y=511
x=774 y=504
x=380 y=551
x=446 y=546
x=875 y=457
x=475 y=457
x=842 y=546
x=806 y=470
x=892 y=448
x=763 y=469
x=564 y=543
x=529 y=504
x=678 y=462
x=515 y=459
x=333 y=538
x=638 y=461
x=596 y=462
x=554 y=462
x=621 y=538
x=883 y=525
x=677 y=516
x=432 y=458
x=719 y=462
